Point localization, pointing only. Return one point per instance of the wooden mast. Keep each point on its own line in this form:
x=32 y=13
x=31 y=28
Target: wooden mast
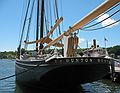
x=96 y=12
x=37 y=30
x=42 y=23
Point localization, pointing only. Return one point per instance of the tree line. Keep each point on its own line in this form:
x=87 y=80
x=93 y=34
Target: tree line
x=113 y=51
x=8 y=55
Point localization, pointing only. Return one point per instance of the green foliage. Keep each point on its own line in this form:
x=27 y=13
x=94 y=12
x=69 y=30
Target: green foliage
x=7 y=55
x=114 y=50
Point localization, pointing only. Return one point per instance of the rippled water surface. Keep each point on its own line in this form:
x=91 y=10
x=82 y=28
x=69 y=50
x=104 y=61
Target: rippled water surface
x=7 y=68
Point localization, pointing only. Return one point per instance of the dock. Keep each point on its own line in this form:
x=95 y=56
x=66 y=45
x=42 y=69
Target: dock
x=114 y=74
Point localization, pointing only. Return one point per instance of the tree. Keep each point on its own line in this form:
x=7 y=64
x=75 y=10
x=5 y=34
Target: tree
x=114 y=50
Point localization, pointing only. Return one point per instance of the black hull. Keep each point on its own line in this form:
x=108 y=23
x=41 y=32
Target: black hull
x=62 y=73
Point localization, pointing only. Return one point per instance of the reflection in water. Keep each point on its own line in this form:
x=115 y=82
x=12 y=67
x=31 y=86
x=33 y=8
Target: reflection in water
x=22 y=89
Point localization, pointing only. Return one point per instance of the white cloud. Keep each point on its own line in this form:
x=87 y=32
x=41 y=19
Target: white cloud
x=108 y=21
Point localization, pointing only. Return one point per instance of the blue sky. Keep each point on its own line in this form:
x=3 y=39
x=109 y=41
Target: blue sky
x=73 y=10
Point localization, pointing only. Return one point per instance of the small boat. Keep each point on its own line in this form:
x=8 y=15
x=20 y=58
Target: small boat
x=51 y=68
x=95 y=51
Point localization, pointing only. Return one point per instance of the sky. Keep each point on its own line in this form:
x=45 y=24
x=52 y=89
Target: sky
x=72 y=11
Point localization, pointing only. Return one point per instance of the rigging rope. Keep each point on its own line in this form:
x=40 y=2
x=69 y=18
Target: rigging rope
x=28 y=30
x=24 y=24
x=57 y=16
x=104 y=13
x=102 y=20
x=18 y=73
x=21 y=19
x=47 y=30
x=100 y=27
x=50 y=13
x=54 y=12
x=61 y=13
x=47 y=16
x=56 y=8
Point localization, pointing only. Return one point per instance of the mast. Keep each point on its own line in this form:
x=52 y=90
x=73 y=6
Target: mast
x=37 y=30
x=42 y=23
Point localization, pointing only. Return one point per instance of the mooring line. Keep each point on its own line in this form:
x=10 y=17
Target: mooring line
x=18 y=73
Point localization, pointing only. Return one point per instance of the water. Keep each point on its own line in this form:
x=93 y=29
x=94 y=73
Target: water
x=7 y=67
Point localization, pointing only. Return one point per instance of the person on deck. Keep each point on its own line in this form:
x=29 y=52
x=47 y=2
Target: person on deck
x=76 y=40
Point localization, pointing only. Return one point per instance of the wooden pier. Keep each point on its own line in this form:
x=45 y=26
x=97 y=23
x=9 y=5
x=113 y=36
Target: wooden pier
x=114 y=74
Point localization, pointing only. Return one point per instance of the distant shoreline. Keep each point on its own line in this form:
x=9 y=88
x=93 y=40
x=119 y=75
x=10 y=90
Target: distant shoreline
x=113 y=52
